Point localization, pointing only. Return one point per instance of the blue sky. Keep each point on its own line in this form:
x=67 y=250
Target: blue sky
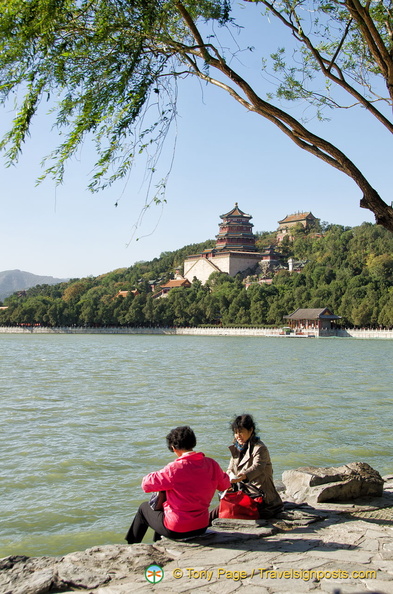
x=223 y=155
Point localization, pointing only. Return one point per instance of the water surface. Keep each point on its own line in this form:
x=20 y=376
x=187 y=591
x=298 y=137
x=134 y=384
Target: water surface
x=84 y=417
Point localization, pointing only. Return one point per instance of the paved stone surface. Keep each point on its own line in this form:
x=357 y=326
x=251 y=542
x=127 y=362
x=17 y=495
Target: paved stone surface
x=335 y=549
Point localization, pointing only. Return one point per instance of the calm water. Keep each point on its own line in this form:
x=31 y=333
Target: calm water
x=83 y=418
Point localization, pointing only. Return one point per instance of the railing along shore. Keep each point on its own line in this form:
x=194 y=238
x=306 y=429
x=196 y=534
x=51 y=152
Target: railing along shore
x=204 y=331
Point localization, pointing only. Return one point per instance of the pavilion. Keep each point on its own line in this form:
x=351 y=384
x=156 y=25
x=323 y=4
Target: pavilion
x=312 y=319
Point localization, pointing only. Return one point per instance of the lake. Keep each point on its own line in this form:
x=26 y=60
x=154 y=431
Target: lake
x=84 y=417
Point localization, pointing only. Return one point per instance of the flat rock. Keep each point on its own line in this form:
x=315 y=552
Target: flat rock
x=316 y=485
x=259 y=527
x=81 y=570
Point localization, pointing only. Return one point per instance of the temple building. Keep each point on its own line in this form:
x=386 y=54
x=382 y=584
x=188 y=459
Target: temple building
x=286 y=225
x=171 y=284
x=235 y=249
x=236 y=232
x=270 y=257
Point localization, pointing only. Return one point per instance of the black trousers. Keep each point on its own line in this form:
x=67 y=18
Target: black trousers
x=145 y=517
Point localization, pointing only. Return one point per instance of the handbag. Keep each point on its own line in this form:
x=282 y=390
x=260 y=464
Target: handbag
x=156 y=500
x=240 y=506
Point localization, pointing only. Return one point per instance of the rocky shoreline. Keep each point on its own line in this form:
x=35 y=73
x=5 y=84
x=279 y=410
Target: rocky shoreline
x=320 y=547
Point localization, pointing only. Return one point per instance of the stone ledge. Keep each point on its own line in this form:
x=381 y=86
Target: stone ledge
x=302 y=539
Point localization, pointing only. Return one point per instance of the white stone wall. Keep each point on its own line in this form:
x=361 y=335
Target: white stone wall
x=222 y=262
x=229 y=263
x=239 y=263
x=358 y=333
x=199 y=267
x=212 y=331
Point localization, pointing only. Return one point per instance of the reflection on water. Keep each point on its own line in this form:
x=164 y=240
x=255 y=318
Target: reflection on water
x=85 y=417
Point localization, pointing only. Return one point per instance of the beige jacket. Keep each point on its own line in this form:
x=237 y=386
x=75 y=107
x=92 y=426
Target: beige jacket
x=257 y=466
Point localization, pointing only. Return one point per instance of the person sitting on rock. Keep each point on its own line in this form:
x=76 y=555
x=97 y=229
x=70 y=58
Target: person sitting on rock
x=250 y=467
x=189 y=482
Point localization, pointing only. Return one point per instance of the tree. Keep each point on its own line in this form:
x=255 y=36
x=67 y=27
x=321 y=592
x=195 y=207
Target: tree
x=109 y=62
x=89 y=306
x=386 y=316
x=259 y=303
x=75 y=290
x=238 y=311
x=135 y=315
x=381 y=267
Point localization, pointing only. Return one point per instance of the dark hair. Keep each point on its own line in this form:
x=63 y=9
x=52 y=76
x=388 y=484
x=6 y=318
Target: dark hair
x=181 y=438
x=243 y=422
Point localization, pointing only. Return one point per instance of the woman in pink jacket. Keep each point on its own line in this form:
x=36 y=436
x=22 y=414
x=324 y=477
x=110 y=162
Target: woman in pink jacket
x=189 y=482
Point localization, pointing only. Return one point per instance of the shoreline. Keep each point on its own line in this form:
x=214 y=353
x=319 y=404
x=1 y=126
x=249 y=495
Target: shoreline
x=322 y=548
x=205 y=331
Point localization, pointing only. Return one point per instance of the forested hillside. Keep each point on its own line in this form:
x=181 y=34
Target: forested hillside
x=349 y=270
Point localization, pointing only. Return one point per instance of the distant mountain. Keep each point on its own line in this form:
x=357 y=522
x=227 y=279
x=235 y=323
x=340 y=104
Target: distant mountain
x=18 y=280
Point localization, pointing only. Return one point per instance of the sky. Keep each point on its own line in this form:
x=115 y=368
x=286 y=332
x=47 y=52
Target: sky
x=223 y=155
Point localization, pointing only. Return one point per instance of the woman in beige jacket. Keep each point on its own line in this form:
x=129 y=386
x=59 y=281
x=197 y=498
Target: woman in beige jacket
x=250 y=467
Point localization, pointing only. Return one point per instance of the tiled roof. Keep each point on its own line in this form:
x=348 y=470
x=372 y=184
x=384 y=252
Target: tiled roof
x=299 y=216
x=125 y=293
x=312 y=314
x=235 y=212
x=176 y=283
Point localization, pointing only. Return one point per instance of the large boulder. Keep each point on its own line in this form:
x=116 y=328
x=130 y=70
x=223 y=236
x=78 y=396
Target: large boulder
x=317 y=485
x=80 y=571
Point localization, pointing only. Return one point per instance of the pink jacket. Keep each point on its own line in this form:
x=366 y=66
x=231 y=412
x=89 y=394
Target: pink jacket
x=190 y=483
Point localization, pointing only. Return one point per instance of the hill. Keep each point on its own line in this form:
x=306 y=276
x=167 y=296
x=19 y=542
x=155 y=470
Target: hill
x=18 y=280
x=349 y=270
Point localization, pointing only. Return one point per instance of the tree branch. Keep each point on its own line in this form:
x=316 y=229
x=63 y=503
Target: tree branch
x=338 y=50
x=326 y=66
x=191 y=25
x=300 y=135
x=361 y=15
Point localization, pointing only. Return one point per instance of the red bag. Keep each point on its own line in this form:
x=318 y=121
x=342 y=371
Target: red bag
x=240 y=506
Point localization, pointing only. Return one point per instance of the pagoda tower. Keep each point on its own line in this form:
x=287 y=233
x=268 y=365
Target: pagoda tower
x=235 y=232
x=235 y=249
